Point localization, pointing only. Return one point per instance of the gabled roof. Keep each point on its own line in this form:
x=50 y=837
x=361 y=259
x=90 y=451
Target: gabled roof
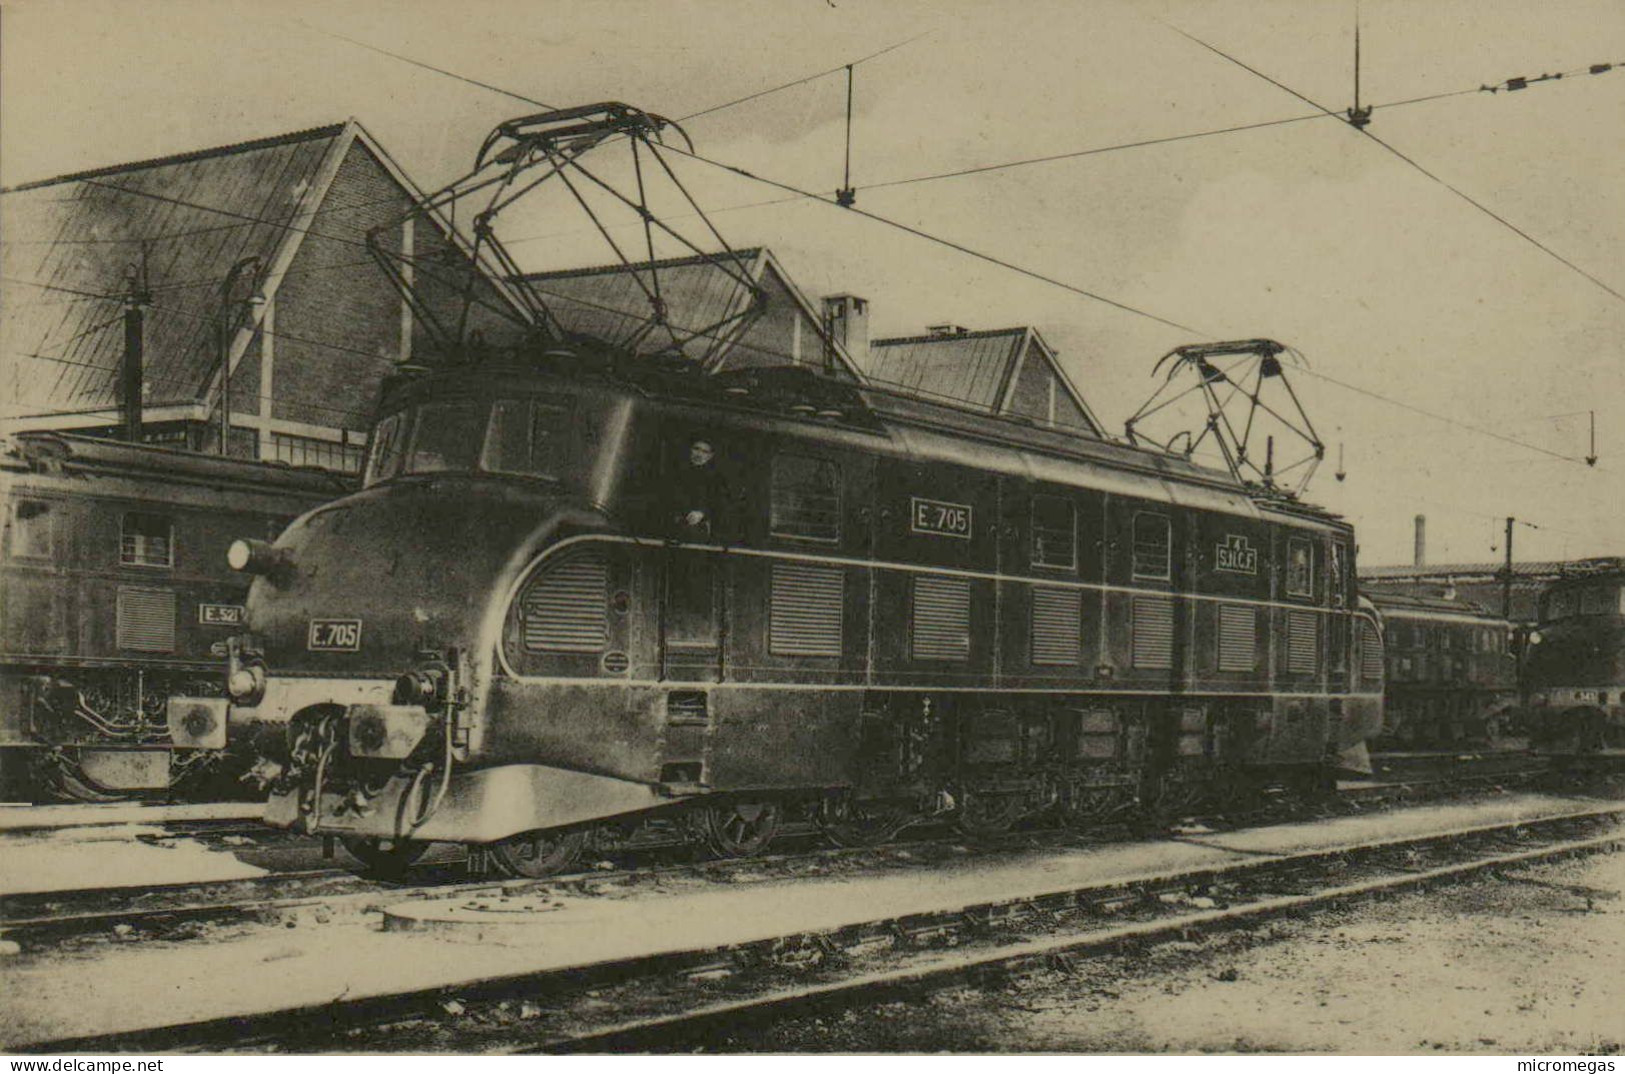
x=975 y=369
x=611 y=303
x=1548 y=569
x=70 y=242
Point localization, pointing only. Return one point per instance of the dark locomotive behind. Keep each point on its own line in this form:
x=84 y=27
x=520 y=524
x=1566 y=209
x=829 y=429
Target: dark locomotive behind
x=117 y=596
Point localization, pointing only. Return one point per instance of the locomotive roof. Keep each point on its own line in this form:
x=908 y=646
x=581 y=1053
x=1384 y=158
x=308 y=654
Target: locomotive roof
x=47 y=451
x=1390 y=601
x=800 y=403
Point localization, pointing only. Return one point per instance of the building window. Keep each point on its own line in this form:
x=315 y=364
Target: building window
x=30 y=530
x=940 y=618
x=1055 y=533
x=1300 y=568
x=326 y=454
x=805 y=498
x=146 y=540
x=804 y=610
x=1153 y=542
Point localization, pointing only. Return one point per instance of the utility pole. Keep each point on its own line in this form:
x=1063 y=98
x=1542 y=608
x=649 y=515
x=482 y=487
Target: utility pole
x=131 y=371
x=223 y=328
x=1506 y=575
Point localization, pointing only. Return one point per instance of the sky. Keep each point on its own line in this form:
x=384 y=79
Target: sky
x=1426 y=325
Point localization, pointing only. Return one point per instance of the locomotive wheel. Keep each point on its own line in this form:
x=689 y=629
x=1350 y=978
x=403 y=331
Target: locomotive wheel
x=849 y=823
x=741 y=829
x=1092 y=805
x=534 y=855
x=982 y=815
x=384 y=857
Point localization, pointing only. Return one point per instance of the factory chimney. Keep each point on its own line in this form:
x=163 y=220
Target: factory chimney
x=1421 y=541
x=846 y=319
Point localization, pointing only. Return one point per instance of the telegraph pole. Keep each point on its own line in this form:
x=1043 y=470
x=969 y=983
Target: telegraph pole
x=1506 y=575
x=131 y=372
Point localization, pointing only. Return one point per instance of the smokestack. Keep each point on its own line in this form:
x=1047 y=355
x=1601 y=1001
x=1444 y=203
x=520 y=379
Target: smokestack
x=1421 y=557
x=846 y=318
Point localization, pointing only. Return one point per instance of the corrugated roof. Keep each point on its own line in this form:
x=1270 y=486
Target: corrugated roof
x=69 y=242
x=971 y=368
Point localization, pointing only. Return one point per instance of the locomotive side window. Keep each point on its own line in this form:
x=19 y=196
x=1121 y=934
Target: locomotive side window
x=445 y=437
x=524 y=436
x=1337 y=574
x=1055 y=533
x=1300 y=568
x=30 y=530
x=388 y=442
x=1593 y=600
x=146 y=540
x=1153 y=544
x=1560 y=605
x=805 y=500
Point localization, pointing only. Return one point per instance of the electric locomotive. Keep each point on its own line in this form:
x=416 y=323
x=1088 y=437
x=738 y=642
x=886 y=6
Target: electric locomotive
x=1574 y=670
x=1452 y=674
x=115 y=590
x=574 y=594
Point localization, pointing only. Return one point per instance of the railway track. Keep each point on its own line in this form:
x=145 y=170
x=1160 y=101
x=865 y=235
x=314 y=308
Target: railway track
x=678 y=999
x=173 y=910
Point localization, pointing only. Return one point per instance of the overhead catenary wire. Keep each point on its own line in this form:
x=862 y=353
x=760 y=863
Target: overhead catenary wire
x=1463 y=195
x=803 y=81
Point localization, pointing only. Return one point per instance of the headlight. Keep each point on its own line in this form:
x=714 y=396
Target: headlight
x=246 y=683
x=256 y=557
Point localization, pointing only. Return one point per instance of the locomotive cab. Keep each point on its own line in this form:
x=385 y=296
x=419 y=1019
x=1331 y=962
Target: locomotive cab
x=1575 y=664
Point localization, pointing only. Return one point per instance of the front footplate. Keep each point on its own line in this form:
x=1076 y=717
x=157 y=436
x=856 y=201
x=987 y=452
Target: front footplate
x=479 y=806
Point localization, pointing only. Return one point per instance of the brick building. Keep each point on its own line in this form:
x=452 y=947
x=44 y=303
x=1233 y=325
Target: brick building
x=256 y=262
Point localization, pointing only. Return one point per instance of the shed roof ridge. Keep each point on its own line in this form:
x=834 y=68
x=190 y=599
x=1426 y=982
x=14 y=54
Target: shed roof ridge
x=288 y=138
x=983 y=333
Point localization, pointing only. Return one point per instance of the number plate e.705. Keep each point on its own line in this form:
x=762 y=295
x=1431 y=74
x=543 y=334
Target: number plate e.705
x=335 y=635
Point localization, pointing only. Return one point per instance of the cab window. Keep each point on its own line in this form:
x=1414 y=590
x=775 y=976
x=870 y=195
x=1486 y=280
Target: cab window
x=1300 y=568
x=388 y=439
x=525 y=436
x=446 y=436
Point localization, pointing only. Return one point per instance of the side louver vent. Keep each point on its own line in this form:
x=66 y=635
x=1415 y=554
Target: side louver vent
x=146 y=620
x=1153 y=632
x=1302 y=642
x=1370 y=655
x=1238 y=638
x=1057 y=616
x=941 y=618
x=564 y=610
x=804 y=610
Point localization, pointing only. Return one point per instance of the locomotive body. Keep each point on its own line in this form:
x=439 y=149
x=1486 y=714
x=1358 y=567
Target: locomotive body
x=1574 y=671
x=566 y=597
x=1452 y=674
x=115 y=589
